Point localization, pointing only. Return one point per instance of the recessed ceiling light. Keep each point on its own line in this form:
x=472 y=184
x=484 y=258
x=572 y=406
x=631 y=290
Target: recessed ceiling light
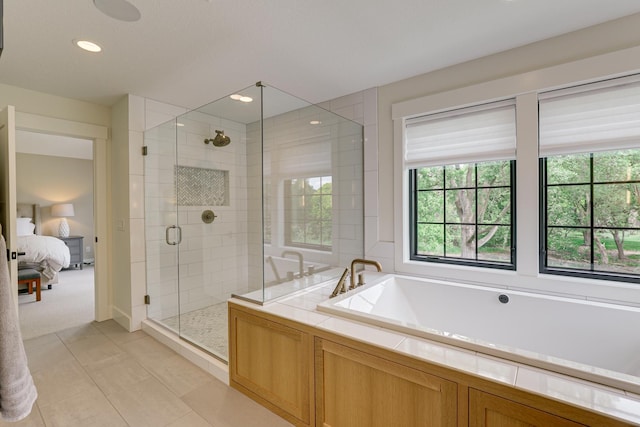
x=246 y=99
x=315 y=122
x=121 y=10
x=236 y=97
x=87 y=45
x=180 y=125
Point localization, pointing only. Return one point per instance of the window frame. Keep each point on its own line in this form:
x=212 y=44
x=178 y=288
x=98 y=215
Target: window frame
x=413 y=223
x=544 y=228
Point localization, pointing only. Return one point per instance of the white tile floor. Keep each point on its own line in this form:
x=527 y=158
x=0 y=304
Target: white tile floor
x=101 y=375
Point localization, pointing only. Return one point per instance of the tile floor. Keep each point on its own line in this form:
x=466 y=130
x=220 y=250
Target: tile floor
x=100 y=375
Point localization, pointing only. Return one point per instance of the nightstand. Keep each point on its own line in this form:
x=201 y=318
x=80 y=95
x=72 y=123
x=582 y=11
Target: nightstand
x=75 y=244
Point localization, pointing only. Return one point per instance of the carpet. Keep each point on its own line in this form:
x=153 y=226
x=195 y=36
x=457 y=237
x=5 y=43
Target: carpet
x=69 y=303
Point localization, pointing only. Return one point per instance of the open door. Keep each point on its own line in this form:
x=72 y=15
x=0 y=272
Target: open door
x=8 y=191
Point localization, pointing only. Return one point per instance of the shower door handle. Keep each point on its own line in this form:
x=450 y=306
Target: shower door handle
x=179 y=233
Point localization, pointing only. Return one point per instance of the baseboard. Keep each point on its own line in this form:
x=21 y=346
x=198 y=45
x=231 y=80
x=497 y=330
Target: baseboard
x=122 y=318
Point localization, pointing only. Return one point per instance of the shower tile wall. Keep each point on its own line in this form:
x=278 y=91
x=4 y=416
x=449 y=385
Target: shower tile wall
x=213 y=257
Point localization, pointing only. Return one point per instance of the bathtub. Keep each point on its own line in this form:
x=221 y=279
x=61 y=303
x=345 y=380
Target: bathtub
x=594 y=341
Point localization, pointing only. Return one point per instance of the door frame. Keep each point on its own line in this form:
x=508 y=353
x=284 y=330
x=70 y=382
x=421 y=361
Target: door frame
x=8 y=194
x=100 y=136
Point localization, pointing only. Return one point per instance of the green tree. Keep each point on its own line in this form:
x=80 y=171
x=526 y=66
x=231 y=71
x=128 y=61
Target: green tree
x=615 y=205
x=455 y=187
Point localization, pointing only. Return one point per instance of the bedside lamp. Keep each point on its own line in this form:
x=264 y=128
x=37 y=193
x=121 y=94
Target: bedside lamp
x=63 y=210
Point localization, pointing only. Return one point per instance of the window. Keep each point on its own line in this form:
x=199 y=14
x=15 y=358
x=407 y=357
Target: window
x=592 y=202
x=461 y=182
x=590 y=180
x=463 y=212
x=308 y=217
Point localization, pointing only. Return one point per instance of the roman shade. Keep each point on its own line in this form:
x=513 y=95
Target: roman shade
x=468 y=135
x=311 y=158
x=594 y=117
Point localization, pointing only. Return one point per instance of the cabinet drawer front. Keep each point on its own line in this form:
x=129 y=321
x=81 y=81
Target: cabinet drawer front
x=74 y=250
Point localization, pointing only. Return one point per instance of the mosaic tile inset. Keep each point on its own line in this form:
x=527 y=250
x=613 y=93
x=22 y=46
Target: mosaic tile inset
x=202 y=187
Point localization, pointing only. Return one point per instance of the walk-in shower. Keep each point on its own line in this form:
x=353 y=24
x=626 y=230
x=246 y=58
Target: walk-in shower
x=271 y=204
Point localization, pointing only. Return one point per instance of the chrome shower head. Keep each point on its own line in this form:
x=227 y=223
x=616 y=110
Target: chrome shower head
x=221 y=140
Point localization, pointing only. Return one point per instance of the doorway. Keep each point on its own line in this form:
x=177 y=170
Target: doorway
x=54 y=172
x=99 y=135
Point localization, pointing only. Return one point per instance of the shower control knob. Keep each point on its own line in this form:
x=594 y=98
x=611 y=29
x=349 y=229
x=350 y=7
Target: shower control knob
x=208 y=216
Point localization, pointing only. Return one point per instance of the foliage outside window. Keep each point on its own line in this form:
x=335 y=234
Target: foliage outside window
x=590 y=210
x=308 y=216
x=463 y=214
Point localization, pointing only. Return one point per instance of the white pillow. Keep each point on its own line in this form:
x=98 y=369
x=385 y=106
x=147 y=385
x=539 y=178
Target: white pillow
x=25 y=227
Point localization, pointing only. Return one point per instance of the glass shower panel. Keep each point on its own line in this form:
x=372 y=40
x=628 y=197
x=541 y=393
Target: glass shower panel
x=312 y=220
x=212 y=206
x=160 y=215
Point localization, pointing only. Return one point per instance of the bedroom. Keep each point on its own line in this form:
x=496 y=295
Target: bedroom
x=53 y=170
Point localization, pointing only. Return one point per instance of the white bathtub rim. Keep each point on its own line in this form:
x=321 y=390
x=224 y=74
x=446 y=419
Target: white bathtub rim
x=606 y=377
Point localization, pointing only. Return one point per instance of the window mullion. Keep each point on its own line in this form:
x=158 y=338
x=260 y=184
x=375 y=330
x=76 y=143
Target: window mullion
x=476 y=209
x=591 y=212
x=444 y=212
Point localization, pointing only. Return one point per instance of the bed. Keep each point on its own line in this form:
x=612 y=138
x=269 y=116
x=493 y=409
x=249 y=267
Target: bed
x=47 y=254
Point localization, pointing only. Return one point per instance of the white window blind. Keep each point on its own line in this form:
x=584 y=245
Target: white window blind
x=595 y=117
x=475 y=134
x=306 y=159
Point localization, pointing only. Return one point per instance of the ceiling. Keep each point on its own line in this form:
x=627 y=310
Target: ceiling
x=191 y=52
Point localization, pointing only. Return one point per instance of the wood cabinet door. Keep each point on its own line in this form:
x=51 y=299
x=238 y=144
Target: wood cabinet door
x=271 y=363
x=488 y=410
x=355 y=389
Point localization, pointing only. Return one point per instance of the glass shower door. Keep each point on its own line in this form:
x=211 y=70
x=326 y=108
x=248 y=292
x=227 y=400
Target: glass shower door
x=214 y=197
x=161 y=225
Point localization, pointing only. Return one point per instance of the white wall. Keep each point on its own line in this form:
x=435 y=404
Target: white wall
x=119 y=224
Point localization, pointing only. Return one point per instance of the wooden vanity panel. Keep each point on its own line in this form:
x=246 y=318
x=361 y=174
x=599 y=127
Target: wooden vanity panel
x=487 y=410
x=284 y=365
x=271 y=362
x=360 y=390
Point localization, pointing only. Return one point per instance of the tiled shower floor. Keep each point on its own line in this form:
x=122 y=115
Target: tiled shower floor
x=206 y=327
